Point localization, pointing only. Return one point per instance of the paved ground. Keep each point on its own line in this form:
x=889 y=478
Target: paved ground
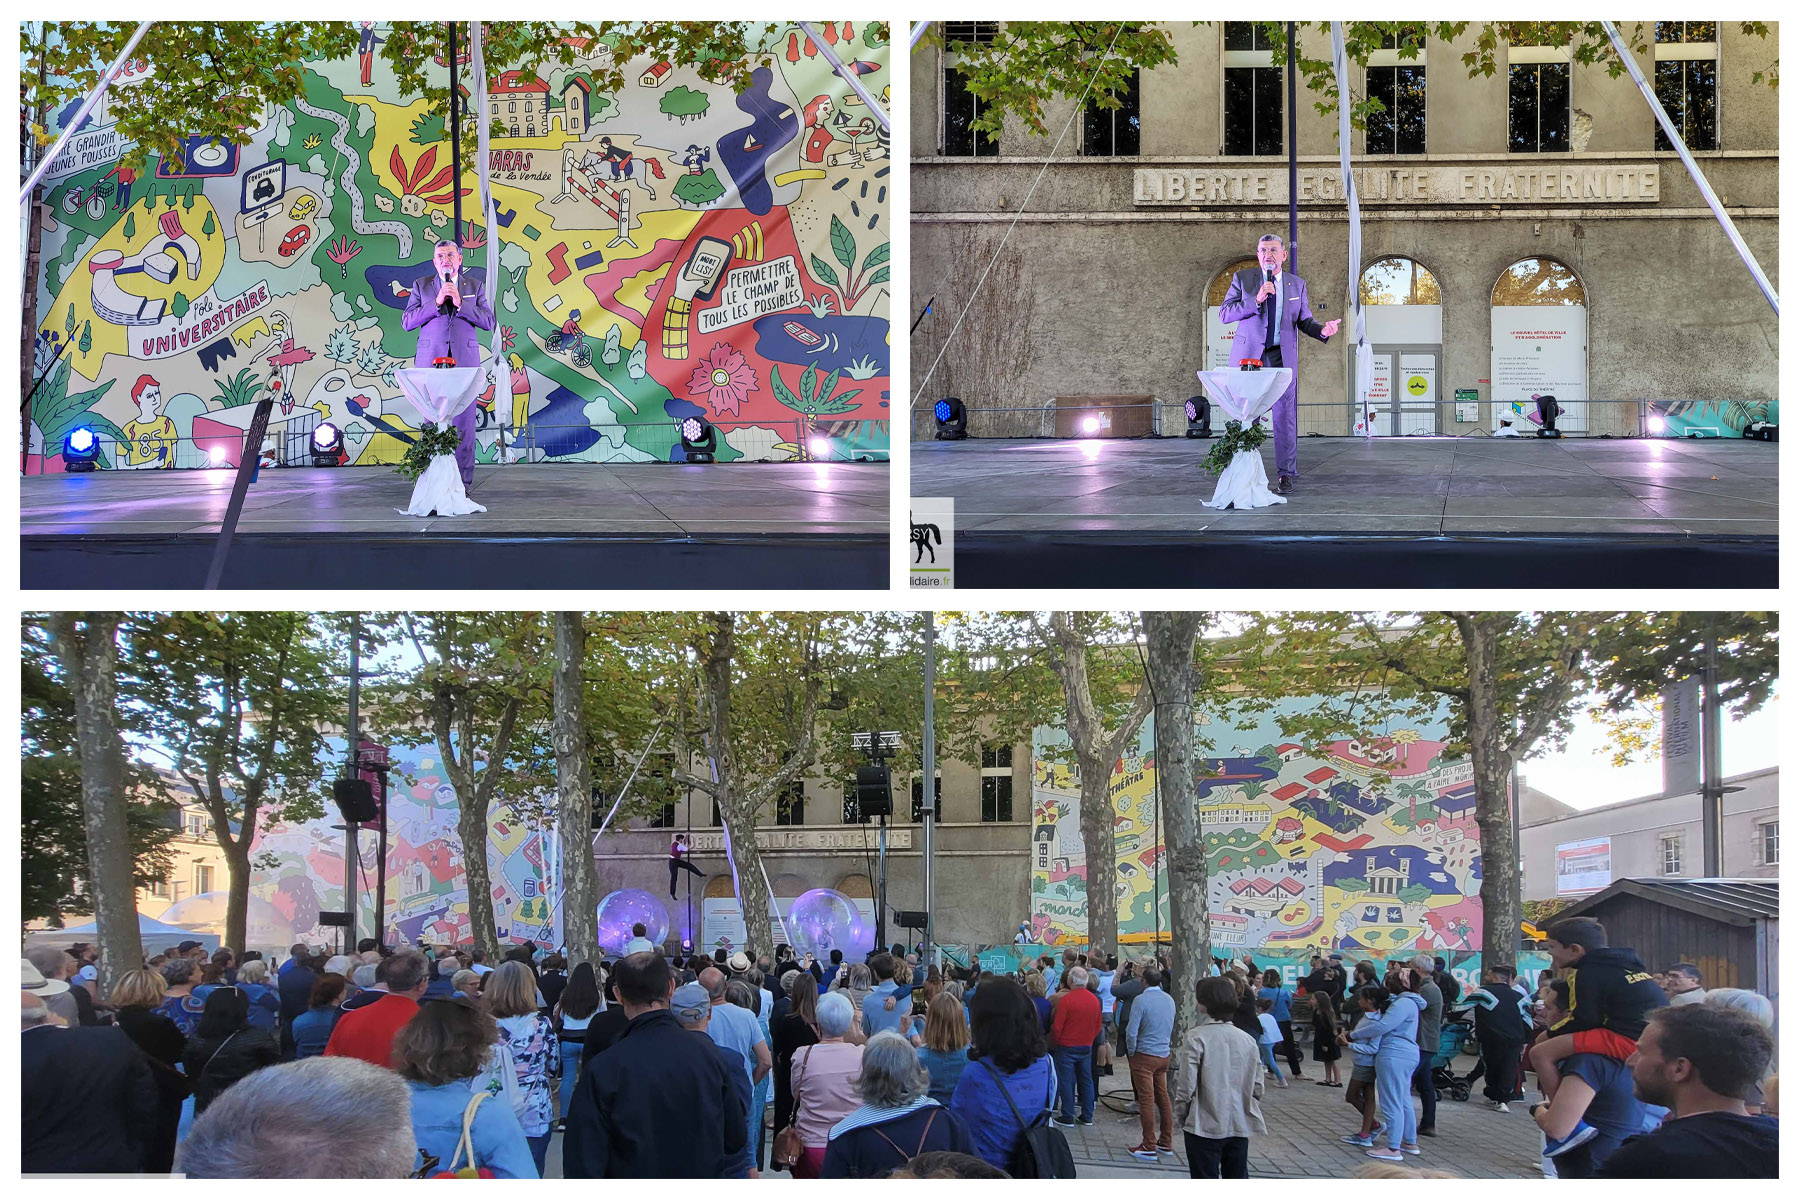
x=549 y=499
x=1388 y=485
x=1304 y=1124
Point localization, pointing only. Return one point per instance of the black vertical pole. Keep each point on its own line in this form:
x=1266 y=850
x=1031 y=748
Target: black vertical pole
x=1712 y=787
x=455 y=142
x=1293 y=149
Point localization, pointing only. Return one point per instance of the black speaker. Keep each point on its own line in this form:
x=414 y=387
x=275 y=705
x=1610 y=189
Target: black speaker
x=340 y=920
x=355 y=799
x=908 y=918
x=874 y=794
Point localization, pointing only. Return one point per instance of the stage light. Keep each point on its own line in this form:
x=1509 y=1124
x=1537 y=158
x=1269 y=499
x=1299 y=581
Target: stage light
x=952 y=419
x=1090 y=425
x=699 y=440
x=1658 y=425
x=81 y=450
x=1548 y=410
x=1199 y=417
x=1761 y=431
x=327 y=445
x=820 y=447
x=217 y=455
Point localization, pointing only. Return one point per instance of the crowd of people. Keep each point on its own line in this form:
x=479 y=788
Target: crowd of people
x=433 y=1062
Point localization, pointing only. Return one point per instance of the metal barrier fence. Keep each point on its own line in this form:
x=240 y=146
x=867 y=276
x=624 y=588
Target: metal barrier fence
x=291 y=445
x=1604 y=418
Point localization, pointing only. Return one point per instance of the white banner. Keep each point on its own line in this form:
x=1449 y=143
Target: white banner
x=1539 y=350
x=1583 y=867
x=1681 y=737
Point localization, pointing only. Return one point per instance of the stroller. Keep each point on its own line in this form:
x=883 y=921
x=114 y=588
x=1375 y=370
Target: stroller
x=1458 y=1028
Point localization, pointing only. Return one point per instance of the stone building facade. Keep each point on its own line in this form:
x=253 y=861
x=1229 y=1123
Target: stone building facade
x=1520 y=232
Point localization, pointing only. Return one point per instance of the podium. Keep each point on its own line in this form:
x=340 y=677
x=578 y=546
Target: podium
x=440 y=395
x=1244 y=396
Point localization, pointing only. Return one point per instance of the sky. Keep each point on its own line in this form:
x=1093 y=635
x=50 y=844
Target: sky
x=1583 y=775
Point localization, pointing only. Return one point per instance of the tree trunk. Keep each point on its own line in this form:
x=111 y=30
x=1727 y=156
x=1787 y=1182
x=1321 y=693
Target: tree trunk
x=1169 y=643
x=746 y=863
x=90 y=656
x=1493 y=812
x=237 y=894
x=1096 y=750
x=574 y=794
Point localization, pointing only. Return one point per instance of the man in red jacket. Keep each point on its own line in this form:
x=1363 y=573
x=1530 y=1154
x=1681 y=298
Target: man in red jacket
x=1072 y=1033
x=368 y=1032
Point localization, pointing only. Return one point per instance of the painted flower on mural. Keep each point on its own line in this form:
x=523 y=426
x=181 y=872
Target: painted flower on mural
x=724 y=379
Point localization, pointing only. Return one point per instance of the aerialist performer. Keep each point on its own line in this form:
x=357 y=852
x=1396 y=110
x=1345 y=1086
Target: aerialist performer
x=1253 y=302
x=448 y=308
x=678 y=861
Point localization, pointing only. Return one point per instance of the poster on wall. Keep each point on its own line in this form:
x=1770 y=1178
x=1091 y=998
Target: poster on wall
x=1418 y=393
x=667 y=250
x=1368 y=846
x=1218 y=341
x=1539 y=350
x=1380 y=401
x=1583 y=867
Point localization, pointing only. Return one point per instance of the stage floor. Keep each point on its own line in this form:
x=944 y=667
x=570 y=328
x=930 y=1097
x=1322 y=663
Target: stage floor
x=1427 y=511
x=616 y=525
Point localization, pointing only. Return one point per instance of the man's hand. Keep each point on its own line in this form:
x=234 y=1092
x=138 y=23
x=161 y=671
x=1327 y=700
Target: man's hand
x=1267 y=290
x=448 y=292
x=1331 y=327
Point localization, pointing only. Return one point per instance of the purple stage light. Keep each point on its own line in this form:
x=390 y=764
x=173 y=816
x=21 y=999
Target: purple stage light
x=823 y=920
x=619 y=911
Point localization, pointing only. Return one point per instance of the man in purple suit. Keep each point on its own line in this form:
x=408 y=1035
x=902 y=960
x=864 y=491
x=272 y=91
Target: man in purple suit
x=1271 y=311
x=448 y=308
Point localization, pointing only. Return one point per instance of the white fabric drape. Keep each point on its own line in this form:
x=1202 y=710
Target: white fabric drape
x=1365 y=353
x=1245 y=396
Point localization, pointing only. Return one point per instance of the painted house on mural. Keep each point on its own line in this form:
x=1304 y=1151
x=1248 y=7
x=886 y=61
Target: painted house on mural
x=658 y=253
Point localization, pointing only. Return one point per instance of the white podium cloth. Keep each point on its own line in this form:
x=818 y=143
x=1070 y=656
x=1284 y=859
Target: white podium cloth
x=1245 y=396
x=440 y=395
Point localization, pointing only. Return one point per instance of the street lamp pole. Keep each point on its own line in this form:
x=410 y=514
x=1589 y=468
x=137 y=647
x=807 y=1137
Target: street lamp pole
x=930 y=801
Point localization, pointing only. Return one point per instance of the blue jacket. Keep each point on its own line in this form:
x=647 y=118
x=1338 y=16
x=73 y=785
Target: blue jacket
x=312 y=1029
x=498 y=1142
x=993 y=1129
x=865 y=1152
x=265 y=1005
x=945 y=1070
x=294 y=981
x=1396 y=1033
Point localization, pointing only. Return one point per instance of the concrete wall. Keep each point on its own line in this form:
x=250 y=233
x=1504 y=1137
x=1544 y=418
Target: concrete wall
x=1093 y=294
x=1637 y=827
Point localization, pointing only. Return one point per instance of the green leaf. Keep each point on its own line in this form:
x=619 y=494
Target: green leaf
x=878 y=277
x=843 y=243
x=822 y=270
x=809 y=378
x=782 y=394
x=878 y=255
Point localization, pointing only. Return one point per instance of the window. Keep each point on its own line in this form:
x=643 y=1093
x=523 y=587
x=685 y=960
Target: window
x=203 y=879
x=664 y=818
x=1671 y=854
x=961 y=109
x=196 y=824
x=528 y=106
x=512 y=106
x=790 y=806
x=494 y=107
x=996 y=782
x=1687 y=82
x=1399 y=83
x=981 y=33
x=918 y=800
x=1113 y=131
x=1253 y=91
x=997 y=756
x=160 y=887
x=530 y=131
x=715 y=814
x=1768 y=840
x=1537 y=103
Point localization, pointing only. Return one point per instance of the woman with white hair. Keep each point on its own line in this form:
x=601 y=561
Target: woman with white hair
x=1759 y=1008
x=822 y=1081
x=265 y=1002
x=897 y=1120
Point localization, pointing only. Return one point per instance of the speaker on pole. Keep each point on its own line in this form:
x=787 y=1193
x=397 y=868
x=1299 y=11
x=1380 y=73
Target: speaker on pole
x=355 y=798
x=874 y=793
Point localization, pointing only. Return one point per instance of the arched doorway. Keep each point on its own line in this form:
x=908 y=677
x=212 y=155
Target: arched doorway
x=1218 y=333
x=1403 y=313
x=1539 y=345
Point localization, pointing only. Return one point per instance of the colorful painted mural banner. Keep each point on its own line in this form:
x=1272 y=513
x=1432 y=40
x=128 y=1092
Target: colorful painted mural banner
x=1365 y=847
x=667 y=251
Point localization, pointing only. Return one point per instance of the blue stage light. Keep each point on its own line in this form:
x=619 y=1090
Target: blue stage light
x=81 y=450
x=952 y=419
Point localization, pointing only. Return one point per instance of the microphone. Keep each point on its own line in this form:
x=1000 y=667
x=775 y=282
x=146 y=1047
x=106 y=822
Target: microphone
x=444 y=305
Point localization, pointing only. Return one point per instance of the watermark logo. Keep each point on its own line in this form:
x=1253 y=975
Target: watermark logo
x=931 y=561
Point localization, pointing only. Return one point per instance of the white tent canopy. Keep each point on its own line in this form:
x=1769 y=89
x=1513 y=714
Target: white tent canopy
x=156 y=936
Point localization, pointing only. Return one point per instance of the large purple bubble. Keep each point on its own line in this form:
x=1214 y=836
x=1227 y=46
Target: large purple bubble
x=823 y=920
x=619 y=911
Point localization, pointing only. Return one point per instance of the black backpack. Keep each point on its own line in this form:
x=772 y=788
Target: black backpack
x=1043 y=1151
